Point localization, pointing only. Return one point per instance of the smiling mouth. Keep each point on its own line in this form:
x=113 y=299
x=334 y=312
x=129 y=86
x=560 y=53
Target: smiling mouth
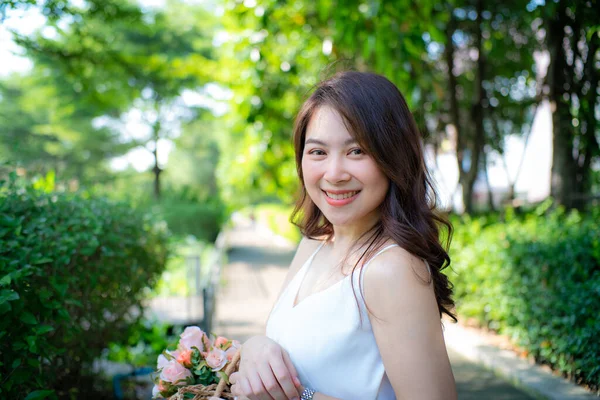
x=341 y=196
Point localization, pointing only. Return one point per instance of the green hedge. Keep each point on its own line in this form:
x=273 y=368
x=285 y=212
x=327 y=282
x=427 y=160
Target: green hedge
x=73 y=272
x=536 y=278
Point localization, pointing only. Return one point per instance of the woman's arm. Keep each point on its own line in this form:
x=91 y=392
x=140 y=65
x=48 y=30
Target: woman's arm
x=407 y=327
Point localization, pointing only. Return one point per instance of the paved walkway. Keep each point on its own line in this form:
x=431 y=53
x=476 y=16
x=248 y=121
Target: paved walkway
x=258 y=263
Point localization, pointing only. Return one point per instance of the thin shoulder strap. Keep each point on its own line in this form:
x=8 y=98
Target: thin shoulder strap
x=318 y=248
x=386 y=248
x=365 y=265
x=395 y=245
x=309 y=260
x=382 y=251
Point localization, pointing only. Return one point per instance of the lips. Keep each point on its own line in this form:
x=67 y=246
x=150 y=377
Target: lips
x=339 y=198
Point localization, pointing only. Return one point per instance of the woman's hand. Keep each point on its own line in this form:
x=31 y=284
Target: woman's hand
x=265 y=373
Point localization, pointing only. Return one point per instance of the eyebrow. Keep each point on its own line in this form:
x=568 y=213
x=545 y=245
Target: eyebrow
x=322 y=143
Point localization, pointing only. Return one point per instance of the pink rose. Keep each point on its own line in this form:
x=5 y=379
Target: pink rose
x=175 y=373
x=216 y=359
x=185 y=358
x=230 y=352
x=191 y=337
x=162 y=362
x=221 y=343
x=207 y=342
x=158 y=390
x=235 y=346
x=156 y=393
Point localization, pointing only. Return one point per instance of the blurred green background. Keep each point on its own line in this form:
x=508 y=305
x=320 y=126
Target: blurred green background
x=175 y=114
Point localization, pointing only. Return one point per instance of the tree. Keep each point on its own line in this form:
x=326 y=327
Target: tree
x=43 y=127
x=573 y=40
x=118 y=56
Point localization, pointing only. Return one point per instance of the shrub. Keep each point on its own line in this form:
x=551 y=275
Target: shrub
x=72 y=276
x=537 y=279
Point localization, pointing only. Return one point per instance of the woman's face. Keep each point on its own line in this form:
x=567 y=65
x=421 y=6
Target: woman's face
x=340 y=178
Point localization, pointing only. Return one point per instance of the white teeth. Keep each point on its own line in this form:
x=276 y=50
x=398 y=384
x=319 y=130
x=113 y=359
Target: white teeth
x=340 y=196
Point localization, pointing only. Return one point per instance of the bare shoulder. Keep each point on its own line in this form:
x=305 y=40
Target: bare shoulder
x=398 y=279
x=397 y=264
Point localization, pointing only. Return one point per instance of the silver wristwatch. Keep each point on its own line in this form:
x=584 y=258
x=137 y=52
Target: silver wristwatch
x=307 y=394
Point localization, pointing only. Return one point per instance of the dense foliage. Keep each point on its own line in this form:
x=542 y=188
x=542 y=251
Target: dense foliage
x=72 y=276
x=537 y=279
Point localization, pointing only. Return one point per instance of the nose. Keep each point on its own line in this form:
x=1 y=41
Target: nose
x=336 y=171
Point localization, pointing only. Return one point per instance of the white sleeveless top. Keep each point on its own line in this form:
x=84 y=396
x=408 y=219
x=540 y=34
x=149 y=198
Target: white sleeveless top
x=331 y=351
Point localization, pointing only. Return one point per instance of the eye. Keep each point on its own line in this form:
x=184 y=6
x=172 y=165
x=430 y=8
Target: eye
x=357 y=151
x=316 y=152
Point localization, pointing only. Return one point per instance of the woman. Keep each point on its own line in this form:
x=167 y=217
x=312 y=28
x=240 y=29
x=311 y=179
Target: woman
x=359 y=313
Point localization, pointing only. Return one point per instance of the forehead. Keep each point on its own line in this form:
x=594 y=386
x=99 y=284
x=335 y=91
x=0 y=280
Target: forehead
x=327 y=125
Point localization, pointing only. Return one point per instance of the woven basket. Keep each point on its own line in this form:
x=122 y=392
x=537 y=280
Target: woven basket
x=222 y=389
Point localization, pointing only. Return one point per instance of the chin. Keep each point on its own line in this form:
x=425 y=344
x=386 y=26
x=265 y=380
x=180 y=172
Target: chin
x=340 y=220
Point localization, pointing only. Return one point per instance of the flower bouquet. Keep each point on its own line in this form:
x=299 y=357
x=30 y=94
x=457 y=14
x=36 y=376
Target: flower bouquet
x=199 y=369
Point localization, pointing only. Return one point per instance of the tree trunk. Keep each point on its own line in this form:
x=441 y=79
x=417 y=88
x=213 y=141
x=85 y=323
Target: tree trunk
x=454 y=110
x=589 y=122
x=564 y=168
x=156 y=169
x=468 y=146
x=491 y=205
x=478 y=139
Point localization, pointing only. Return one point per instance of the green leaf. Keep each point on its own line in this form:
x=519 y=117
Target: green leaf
x=16 y=363
x=224 y=376
x=40 y=330
x=8 y=295
x=61 y=288
x=43 y=260
x=5 y=281
x=39 y=394
x=28 y=318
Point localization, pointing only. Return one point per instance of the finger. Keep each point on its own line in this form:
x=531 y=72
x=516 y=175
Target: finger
x=242 y=389
x=270 y=382
x=290 y=366
x=235 y=389
x=233 y=377
x=284 y=378
x=258 y=391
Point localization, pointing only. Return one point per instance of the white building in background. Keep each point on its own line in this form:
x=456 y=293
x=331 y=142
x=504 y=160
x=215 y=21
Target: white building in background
x=532 y=182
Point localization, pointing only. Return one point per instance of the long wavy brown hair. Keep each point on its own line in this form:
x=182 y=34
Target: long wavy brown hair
x=377 y=116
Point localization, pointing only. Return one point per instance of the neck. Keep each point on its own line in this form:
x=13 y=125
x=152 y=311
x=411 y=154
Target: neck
x=346 y=237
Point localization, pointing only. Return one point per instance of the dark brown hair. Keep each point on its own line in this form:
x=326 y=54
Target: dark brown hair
x=377 y=116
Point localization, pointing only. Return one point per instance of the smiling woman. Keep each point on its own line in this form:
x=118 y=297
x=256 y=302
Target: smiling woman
x=358 y=316
x=339 y=176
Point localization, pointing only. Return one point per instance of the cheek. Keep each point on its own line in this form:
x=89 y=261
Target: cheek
x=378 y=179
x=309 y=173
